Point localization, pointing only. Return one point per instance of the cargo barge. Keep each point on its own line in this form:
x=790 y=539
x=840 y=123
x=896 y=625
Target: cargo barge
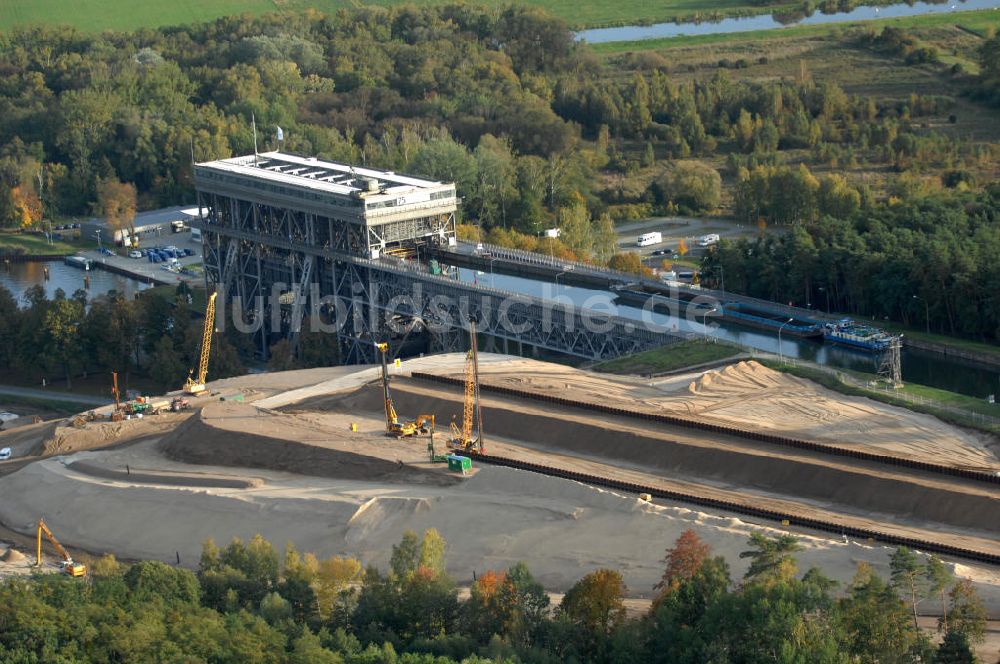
x=767 y=319
x=856 y=335
x=655 y=302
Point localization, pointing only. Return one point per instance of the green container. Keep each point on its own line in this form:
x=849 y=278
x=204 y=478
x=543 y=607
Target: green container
x=459 y=464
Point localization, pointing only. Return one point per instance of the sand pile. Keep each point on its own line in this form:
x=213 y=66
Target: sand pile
x=13 y=556
x=238 y=434
x=750 y=396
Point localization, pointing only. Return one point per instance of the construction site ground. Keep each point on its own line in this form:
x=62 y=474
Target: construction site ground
x=284 y=462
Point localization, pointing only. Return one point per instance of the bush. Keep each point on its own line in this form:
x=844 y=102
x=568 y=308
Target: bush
x=691 y=186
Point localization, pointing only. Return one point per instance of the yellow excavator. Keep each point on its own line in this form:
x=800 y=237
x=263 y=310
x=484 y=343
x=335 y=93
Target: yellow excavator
x=196 y=385
x=393 y=427
x=67 y=565
x=462 y=439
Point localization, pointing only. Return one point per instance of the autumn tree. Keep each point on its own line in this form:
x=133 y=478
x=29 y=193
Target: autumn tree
x=682 y=561
x=27 y=205
x=628 y=261
x=596 y=606
x=116 y=201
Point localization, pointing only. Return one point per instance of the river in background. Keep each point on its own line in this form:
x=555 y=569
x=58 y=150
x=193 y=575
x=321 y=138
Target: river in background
x=18 y=277
x=778 y=20
x=924 y=368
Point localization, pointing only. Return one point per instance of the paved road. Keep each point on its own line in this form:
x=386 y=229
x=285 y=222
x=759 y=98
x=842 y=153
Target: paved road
x=675 y=229
x=54 y=395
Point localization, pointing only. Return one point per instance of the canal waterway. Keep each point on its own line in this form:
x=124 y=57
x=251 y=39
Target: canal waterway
x=919 y=367
x=18 y=277
x=776 y=21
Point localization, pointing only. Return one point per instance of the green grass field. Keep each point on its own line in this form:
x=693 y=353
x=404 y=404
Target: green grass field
x=668 y=358
x=31 y=243
x=97 y=15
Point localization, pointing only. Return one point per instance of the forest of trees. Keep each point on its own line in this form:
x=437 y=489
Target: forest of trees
x=157 y=335
x=247 y=604
x=503 y=102
x=931 y=262
x=537 y=132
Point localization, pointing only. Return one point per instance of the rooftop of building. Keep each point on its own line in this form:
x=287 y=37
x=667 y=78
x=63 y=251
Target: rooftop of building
x=328 y=176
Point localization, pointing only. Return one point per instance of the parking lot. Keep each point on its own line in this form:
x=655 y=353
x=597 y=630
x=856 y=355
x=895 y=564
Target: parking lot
x=170 y=270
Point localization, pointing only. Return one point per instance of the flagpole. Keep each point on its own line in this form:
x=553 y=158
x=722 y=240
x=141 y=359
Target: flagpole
x=254 y=121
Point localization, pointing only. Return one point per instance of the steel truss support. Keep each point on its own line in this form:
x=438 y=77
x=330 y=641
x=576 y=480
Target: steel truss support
x=283 y=263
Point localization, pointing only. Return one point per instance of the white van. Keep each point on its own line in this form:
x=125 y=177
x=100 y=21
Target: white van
x=647 y=239
x=708 y=240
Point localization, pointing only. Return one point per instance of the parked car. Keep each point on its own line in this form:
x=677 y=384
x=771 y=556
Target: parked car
x=5 y=454
x=135 y=253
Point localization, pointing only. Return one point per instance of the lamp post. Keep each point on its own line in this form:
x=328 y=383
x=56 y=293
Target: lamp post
x=722 y=279
x=492 y=258
x=781 y=357
x=566 y=268
x=704 y=320
x=927 y=312
x=99 y=247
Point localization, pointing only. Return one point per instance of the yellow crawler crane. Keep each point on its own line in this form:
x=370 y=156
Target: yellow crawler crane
x=67 y=565
x=463 y=439
x=195 y=386
x=393 y=427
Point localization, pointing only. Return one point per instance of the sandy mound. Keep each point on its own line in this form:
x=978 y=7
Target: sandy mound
x=236 y=434
x=750 y=396
x=13 y=556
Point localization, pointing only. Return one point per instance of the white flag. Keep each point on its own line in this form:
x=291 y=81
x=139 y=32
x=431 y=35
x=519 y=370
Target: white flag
x=281 y=134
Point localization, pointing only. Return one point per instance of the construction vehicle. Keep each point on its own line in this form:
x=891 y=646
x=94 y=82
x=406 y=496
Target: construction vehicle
x=195 y=386
x=178 y=404
x=67 y=565
x=432 y=454
x=393 y=427
x=462 y=439
x=117 y=414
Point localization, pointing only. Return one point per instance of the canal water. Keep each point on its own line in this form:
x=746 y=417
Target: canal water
x=923 y=368
x=18 y=277
x=773 y=22
x=919 y=367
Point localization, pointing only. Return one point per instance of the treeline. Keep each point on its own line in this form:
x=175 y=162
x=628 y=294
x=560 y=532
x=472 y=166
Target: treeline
x=247 y=604
x=157 y=336
x=933 y=260
x=502 y=101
